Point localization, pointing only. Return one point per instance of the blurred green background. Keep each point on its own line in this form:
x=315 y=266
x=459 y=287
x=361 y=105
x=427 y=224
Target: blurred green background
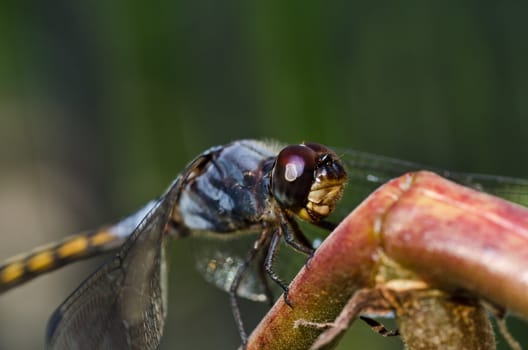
x=103 y=103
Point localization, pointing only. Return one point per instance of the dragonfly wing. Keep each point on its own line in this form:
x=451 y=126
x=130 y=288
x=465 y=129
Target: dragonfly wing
x=218 y=260
x=121 y=305
x=509 y=188
x=368 y=171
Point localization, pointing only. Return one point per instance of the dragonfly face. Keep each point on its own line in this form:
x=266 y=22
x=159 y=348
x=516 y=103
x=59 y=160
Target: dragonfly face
x=308 y=180
x=246 y=186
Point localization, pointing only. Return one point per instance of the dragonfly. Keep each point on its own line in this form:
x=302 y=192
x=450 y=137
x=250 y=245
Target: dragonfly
x=216 y=196
x=241 y=187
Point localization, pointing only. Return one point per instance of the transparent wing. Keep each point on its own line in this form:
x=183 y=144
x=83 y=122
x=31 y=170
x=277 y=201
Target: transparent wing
x=218 y=260
x=368 y=171
x=122 y=305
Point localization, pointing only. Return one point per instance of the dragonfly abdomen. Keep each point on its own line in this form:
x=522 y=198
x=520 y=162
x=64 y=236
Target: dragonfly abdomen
x=50 y=257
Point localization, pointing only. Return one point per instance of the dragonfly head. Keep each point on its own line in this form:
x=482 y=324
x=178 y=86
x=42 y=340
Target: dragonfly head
x=308 y=180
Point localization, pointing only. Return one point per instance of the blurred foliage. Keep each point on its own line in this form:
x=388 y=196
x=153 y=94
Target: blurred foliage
x=103 y=103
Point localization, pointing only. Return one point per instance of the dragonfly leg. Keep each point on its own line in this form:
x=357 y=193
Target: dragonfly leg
x=294 y=237
x=262 y=276
x=236 y=283
x=378 y=327
x=268 y=264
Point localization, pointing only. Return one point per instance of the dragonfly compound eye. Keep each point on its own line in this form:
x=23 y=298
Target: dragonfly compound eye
x=308 y=179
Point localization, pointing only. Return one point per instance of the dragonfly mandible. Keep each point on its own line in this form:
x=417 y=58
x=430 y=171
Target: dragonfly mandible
x=139 y=238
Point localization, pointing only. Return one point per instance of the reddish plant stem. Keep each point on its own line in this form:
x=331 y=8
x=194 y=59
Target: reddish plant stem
x=450 y=236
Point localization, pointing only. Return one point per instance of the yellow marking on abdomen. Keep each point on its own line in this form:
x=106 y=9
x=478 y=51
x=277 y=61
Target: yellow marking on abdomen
x=74 y=247
x=12 y=272
x=100 y=238
x=40 y=261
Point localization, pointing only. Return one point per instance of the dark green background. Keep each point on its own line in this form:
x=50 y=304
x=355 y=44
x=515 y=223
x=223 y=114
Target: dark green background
x=101 y=105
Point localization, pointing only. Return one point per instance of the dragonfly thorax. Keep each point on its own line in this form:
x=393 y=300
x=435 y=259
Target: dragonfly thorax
x=229 y=191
